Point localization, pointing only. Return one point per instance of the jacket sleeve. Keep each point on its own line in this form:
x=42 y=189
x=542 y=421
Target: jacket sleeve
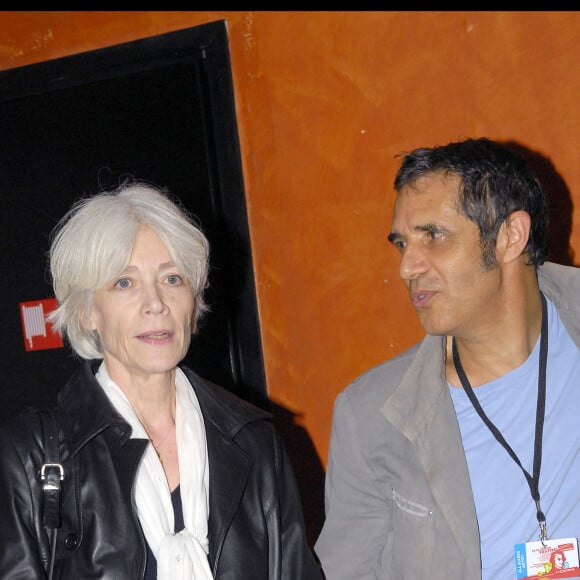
x=296 y=559
x=23 y=540
x=355 y=533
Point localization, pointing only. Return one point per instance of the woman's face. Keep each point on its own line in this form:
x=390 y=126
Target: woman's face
x=144 y=316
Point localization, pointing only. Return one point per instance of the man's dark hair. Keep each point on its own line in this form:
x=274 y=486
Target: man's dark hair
x=495 y=182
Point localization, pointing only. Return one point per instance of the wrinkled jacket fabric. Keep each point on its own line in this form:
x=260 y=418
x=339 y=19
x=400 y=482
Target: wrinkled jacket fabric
x=255 y=526
x=399 y=504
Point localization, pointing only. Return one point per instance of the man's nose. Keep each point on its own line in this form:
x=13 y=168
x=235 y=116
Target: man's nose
x=413 y=262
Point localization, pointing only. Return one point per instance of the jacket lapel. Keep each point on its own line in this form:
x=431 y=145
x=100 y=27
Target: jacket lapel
x=229 y=464
x=422 y=410
x=228 y=473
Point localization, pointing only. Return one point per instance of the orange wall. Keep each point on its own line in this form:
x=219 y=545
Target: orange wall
x=325 y=100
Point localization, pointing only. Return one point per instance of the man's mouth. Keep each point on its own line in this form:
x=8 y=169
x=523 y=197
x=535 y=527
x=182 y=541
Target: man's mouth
x=421 y=298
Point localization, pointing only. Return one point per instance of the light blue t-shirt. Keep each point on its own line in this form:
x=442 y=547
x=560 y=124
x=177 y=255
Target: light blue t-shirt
x=505 y=509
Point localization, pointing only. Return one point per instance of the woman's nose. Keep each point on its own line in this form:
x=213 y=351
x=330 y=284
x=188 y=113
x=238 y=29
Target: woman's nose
x=153 y=299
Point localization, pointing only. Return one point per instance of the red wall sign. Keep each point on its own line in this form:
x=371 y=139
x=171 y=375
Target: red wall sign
x=38 y=333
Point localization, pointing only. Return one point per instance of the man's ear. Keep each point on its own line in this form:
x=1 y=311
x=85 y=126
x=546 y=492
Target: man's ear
x=513 y=236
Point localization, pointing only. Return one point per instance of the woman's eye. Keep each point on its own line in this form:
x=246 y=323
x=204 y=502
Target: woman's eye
x=174 y=280
x=123 y=283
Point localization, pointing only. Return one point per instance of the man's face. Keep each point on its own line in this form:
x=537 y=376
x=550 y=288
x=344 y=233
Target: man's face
x=441 y=258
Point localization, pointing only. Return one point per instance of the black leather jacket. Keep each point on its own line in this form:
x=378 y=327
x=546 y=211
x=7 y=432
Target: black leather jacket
x=255 y=527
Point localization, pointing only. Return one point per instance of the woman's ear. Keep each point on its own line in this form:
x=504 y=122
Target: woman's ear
x=513 y=236
x=85 y=316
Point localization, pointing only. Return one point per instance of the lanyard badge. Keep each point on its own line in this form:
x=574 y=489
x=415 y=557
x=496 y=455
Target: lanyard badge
x=547 y=559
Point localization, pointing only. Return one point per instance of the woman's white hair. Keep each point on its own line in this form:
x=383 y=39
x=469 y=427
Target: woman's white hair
x=93 y=242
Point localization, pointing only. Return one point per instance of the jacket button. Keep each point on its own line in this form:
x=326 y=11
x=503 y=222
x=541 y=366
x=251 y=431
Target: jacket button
x=71 y=542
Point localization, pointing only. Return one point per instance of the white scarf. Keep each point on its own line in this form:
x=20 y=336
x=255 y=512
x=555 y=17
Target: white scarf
x=181 y=556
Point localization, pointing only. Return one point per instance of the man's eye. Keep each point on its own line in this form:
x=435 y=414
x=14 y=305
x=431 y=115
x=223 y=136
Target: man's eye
x=435 y=234
x=123 y=283
x=397 y=242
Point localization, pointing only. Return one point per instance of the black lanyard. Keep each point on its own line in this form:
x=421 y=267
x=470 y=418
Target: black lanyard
x=533 y=482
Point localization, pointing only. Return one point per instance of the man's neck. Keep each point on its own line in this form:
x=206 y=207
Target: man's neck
x=487 y=354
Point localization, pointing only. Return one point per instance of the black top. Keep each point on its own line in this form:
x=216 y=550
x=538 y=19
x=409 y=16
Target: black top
x=151 y=565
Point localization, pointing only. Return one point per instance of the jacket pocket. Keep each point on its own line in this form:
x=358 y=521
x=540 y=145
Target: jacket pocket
x=411 y=507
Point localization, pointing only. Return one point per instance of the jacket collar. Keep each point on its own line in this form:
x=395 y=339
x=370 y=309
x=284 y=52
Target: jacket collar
x=221 y=408
x=561 y=284
x=86 y=410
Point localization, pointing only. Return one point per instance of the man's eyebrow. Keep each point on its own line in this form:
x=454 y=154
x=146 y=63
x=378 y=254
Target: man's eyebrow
x=432 y=228
x=427 y=228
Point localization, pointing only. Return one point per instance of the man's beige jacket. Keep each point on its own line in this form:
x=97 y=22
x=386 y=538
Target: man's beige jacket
x=399 y=504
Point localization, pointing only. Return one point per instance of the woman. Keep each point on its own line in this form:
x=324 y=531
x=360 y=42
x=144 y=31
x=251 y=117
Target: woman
x=165 y=475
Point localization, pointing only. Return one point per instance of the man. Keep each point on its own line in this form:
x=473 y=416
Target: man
x=434 y=467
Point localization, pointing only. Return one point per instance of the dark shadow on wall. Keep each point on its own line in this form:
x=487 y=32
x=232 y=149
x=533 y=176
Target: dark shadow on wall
x=560 y=204
x=307 y=467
